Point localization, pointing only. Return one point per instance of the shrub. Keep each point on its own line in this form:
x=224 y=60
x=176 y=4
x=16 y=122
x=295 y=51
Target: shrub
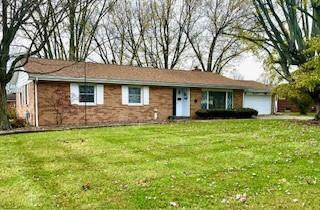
x=12 y=112
x=18 y=123
x=246 y=113
x=226 y=114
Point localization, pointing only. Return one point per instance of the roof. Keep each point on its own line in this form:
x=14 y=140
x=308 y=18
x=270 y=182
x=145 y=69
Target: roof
x=59 y=70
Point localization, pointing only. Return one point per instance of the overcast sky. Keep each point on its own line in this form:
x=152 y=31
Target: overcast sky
x=250 y=67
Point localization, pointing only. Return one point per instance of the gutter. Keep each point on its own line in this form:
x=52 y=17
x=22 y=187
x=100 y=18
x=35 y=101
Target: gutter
x=250 y=90
x=139 y=82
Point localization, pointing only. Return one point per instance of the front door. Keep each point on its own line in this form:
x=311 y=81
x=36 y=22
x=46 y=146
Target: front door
x=183 y=102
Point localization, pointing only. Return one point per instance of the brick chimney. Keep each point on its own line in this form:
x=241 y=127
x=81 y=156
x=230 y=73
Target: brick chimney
x=196 y=68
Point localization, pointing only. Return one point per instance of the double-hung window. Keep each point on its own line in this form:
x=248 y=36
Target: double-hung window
x=217 y=99
x=87 y=93
x=135 y=95
x=24 y=95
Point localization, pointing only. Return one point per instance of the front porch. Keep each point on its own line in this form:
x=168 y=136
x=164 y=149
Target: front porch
x=187 y=101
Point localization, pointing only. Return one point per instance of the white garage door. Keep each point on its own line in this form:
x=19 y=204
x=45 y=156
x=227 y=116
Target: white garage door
x=261 y=103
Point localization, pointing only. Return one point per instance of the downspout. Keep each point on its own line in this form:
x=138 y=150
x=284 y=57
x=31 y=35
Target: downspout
x=36 y=102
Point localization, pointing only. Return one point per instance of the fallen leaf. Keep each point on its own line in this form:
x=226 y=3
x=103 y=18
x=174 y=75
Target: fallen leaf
x=86 y=186
x=173 y=204
x=242 y=197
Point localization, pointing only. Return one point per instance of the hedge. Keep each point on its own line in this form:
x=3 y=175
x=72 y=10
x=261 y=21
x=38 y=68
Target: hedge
x=241 y=113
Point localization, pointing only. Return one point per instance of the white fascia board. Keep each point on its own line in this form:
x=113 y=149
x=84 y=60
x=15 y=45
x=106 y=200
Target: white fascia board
x=132 y=82
x=18 y=80
x=258 y=91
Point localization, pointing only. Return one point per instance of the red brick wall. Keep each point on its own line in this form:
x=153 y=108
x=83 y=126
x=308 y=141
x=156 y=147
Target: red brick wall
x=22 y=109
x=55 y=108
x=195 y=101
x=111 y=111
x=238 y=99
x=285 y=105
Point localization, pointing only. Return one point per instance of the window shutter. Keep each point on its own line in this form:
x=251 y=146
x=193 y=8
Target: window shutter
x=74 y=93
x=125 y=95
x=100 y=94
x=146 y=95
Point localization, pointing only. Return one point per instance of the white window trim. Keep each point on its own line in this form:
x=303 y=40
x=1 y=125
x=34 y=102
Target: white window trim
x=141 y=96
x=227 y=94
x=207 y=99
x=95 y=95
x=220 y=90
x=24 y=95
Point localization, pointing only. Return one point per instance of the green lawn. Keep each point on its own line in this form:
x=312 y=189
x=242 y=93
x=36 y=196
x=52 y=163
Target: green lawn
x=194 y=165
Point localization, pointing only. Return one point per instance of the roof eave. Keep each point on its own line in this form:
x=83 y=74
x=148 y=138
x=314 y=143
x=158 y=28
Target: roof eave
x=250 y=90
x=135 y=82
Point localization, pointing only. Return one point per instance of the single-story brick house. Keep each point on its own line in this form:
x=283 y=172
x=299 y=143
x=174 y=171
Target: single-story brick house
x=52 y=92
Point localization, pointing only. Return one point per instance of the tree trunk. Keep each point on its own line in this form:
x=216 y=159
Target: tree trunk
x=317 y=117
x=72 y=13
x=4 y=121
x=316 y=98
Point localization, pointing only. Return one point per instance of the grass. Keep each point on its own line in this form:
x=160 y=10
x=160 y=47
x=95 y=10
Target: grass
x=196 y=165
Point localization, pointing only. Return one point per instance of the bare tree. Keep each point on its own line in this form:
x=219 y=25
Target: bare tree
x=235 y=74
x=163 y=33
x=166 y=35
x=73 y=38
x=84 y=19
x=213 y=39
x=16 y=15
x=146 y=33
x=120 y=38
x=110 y=43
x=264 y=78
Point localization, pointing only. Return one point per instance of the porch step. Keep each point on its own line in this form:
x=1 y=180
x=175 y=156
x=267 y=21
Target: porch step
x=176 y=118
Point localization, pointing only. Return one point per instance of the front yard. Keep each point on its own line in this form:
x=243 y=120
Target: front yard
x=218 y=164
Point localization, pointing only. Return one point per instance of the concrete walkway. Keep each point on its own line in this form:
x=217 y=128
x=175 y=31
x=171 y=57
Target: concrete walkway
x=286 y=117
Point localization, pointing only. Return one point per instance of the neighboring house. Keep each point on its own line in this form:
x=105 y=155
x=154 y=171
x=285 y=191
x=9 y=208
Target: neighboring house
x=66 y=92
x=284 y=105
